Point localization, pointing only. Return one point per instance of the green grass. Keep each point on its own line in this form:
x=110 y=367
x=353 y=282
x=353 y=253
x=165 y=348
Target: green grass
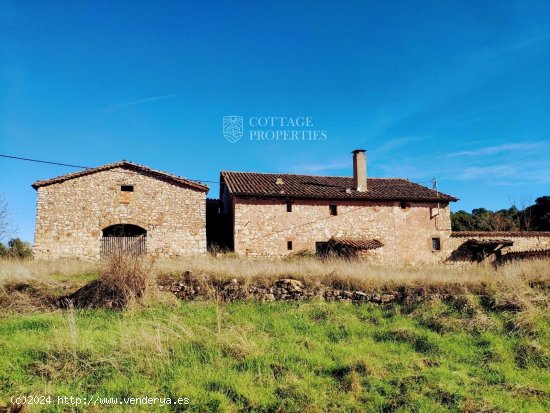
x=284 y=356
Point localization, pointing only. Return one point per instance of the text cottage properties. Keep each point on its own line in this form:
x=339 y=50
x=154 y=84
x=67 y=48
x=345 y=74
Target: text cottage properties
x=284 y=128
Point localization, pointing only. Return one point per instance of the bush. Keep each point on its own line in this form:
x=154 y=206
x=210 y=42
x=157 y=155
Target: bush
x=17 y=248
x=125 y=278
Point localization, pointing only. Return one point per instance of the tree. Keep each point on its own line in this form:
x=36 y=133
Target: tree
x=5 y=227
x=19 y=249
x=462 y=221
x=526 y=214
x=505 y=220
x=540 y=214
x=483 y=219
x=529 y=218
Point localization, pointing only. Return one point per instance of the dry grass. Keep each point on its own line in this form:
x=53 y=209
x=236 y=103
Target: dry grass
x=357 y=274
x=126 y=279
x=41 y=270
x=31 y=285
x=312 y=271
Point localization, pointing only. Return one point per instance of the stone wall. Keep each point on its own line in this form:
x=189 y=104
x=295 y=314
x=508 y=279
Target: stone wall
x=283 y=289
x=71 y=215
x=264 y=227
x=523 y=241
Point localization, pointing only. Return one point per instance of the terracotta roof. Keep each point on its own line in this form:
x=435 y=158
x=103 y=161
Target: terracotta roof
x=490 y=242
x=541 y=251
x=327 y=187
x=124 y=165
x=507 y=234
x=529 y=254
x=362 y=244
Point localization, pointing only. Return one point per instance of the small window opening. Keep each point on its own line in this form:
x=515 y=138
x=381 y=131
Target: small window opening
x=289 y=245
x=288 y=207
x=404 y=205
x=333 y=209
x=436 y=244
x=127 y=188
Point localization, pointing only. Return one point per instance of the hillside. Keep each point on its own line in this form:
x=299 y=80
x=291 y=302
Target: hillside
x=476 y=341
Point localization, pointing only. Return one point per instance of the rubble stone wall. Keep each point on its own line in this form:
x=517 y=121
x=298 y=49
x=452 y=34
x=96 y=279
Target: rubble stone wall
x=263 y=227
x=71 y=215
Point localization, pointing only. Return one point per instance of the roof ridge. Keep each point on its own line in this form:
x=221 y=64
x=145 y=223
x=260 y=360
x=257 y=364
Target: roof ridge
x=313 y=176
x=118 y=164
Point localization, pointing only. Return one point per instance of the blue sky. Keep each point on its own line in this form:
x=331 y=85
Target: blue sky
x=454 y=90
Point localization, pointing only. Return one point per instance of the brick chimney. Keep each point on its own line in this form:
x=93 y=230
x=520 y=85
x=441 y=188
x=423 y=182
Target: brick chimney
x=360 y=170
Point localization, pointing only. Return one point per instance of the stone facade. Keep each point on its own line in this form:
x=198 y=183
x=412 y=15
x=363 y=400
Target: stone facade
x=72 y=213
x=265 y=227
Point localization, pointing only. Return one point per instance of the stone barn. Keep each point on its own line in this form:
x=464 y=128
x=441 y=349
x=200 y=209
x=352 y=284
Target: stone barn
x=387 y=220
x=89 y=213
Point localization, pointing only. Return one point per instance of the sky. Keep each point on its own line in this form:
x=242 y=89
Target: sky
x=458 y=91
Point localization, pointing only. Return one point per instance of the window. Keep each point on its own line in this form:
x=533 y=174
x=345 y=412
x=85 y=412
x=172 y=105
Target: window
x=126 y=192
x=404 y=205
x=436 y=244
x=288 y=207
x=333 y=209
x=289 y=245
x=321 y=249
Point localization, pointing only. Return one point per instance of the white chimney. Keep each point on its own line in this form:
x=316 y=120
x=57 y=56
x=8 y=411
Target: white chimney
x=360 y=170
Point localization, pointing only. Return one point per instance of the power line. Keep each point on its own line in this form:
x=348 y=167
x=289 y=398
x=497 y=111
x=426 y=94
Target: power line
x=433 y=181
x=46 y=162
x=19 y=158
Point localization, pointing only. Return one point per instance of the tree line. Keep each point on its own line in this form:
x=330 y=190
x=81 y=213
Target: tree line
x=534 y=217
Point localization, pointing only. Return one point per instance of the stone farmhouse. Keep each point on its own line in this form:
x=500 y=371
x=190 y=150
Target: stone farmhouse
x=86 y=214
x=125 y=206
x=389 y=220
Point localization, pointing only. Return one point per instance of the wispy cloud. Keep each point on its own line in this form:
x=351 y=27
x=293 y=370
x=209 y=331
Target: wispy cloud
x=488 y=172
x=493 y=150
x=509 y=173
x=125 y=105
x=524 y=163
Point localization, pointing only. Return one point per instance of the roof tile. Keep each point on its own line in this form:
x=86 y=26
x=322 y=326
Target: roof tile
x=253 y=184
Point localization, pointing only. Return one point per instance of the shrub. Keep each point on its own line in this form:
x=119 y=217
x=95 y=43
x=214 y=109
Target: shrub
x=17 y=248
x=125 y=278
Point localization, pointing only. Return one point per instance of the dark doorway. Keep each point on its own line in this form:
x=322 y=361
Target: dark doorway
x=124 y=230
x=123 y=239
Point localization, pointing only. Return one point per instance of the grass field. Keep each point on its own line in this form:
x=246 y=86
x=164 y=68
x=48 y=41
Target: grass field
x=467 y=352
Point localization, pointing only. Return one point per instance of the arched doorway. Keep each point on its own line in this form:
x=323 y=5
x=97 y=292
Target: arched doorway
x=123 y=238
